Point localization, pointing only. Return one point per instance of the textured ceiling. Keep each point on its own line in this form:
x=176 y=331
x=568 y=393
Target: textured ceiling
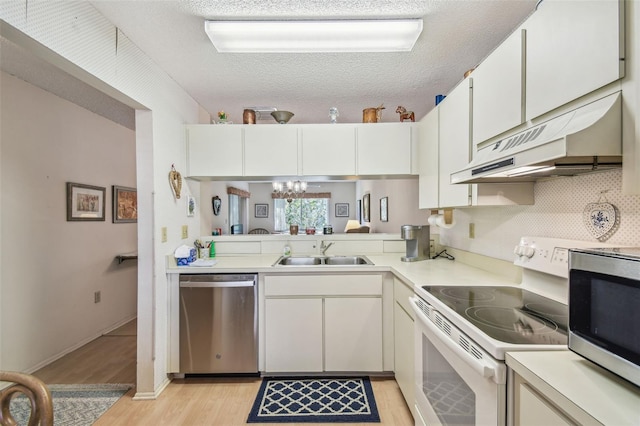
x=457 y=35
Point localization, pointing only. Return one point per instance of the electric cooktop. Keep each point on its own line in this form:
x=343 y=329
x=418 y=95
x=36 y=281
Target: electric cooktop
x=508 y=314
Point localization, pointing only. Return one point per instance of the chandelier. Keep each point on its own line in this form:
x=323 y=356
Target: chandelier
x=290 y=190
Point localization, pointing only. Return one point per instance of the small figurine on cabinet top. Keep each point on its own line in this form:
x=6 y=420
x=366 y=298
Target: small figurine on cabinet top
x=404 y=114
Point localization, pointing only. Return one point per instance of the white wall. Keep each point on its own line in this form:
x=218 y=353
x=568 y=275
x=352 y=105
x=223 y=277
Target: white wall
x=78 y=39
x=209 y=221
x=558 y=212
x=50 y=267
x=402 y=204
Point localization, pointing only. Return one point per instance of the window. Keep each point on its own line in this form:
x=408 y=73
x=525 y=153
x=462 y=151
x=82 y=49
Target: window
x=304 y=212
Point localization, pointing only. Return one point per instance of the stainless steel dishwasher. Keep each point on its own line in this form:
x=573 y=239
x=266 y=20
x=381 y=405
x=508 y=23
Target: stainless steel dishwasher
x=218 y=323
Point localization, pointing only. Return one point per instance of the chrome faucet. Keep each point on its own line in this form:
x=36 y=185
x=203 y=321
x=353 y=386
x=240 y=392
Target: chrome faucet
x=324 y=247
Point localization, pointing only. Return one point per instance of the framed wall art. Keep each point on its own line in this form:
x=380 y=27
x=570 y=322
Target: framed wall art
x=191 y=206
x=262 y=210
x=342 y=209
x=125 y=204
x=359 y=211
x=384 y=209
x=366 y=210
x=85 y=202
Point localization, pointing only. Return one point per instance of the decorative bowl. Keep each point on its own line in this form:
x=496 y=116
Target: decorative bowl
x=282 y=117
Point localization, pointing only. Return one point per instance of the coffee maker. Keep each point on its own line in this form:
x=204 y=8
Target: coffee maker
x=417 y=240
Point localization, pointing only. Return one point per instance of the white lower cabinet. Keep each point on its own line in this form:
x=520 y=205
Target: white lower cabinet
x=356 y=344
x=534 y=409
x=293 y=335
x=403 y=342
x=315 y=323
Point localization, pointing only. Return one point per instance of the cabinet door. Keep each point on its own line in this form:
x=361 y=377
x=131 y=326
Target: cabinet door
x=535 y=410
x=573 y=48
x=271 y=150
x=384 y=149
x=497 y=90
x=353 y=334
x=403 y=342
x=455 y=140
x=214 y=150
x=293 y=335
x=329 y=150
x=428 y=180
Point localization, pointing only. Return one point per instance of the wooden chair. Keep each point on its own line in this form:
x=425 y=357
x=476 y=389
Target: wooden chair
x=259 y=231
x=34 y=389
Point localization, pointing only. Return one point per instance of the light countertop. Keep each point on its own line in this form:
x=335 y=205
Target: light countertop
x=579 y=386
x=426 y=272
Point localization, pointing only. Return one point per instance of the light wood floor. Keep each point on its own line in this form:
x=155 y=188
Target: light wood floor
x=190 y=402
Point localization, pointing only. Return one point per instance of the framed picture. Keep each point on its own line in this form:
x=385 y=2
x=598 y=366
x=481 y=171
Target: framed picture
x=359 y=211
x=366 y=210
x=85 y=202
x=191 y=206
x=384 y=209
x=262 y=210
x=124 y=204
x=342 y=209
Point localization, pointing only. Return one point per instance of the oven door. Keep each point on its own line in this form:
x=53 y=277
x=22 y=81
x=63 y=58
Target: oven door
x=457 y=383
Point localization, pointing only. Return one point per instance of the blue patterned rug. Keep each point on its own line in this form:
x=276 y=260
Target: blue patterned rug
x=314 y=400
x=73 y=405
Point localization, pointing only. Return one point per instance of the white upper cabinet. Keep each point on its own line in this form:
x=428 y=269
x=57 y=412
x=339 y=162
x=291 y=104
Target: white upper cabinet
x=573 y=48
x=498 y=90
x=329 y=150
x=429 y=176
x=455 y=144
x=214 y=150
x=271 y=150
x=385 y=149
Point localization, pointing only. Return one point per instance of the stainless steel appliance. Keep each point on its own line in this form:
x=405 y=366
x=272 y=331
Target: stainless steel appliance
x=218 y=323
x=604 y=308
x=417 y=242
x=463 y=332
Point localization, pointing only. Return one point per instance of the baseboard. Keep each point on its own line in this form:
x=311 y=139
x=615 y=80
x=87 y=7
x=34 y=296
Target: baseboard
x=70 y=349
x=145 y=396
x=118 y=325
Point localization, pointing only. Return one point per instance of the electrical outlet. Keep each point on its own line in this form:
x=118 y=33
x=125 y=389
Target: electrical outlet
x=163 y=234
x=472 y=230
x=185 y=232
x=432 y=248
x=97 y=297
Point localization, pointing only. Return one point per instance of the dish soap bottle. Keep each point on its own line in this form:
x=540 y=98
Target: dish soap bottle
x=287 y=251
x=212 y=249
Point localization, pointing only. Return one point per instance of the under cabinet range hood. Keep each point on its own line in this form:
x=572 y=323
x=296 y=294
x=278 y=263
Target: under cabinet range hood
x=583 y=140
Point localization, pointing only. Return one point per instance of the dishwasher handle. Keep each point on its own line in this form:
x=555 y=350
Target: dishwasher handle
x=215 y=280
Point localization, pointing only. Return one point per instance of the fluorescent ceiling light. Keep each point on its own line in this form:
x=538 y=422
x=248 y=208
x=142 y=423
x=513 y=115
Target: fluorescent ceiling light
x=397 y=35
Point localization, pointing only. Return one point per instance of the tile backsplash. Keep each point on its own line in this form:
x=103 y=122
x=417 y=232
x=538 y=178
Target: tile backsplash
x=558 y=212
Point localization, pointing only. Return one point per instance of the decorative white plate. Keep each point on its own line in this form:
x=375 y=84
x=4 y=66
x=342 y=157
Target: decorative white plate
x=601 y=220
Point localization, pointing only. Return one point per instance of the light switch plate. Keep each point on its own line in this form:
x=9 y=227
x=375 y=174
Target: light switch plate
x=163 y=234
x=185 y=231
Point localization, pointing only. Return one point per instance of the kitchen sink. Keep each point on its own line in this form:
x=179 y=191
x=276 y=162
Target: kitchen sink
x=321 y=260
x=300 y=261
x=346 y=260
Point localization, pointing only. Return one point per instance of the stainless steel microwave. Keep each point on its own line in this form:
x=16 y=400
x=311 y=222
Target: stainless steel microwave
x=604 y=308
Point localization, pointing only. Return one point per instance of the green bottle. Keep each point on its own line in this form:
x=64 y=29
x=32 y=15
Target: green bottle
x=212 y=249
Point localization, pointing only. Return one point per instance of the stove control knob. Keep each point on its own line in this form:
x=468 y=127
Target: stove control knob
x=529 y=252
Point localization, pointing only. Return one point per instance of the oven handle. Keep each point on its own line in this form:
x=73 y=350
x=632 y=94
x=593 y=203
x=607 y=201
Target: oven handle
x=480 y=366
